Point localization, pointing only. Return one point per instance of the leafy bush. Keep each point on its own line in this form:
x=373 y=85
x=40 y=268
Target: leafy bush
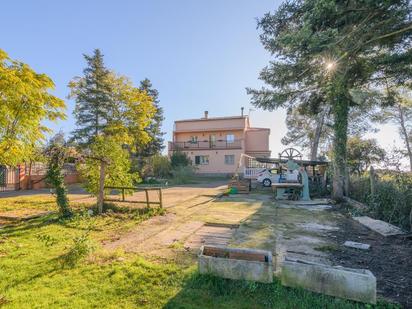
x=392 y=201
x=81 y=248
x=179 y=158
x=182 y=174
x=158 y=166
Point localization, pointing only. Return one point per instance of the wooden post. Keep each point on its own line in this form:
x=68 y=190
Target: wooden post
x=147 y=198
x=160 y=198
x=122 y=194
x=100 y=197
x=372 y=180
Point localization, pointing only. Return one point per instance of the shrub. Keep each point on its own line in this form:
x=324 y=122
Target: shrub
x=159 y=166
x=81 y=248
x=392 y=201
x=182 y=174
x=179 y=158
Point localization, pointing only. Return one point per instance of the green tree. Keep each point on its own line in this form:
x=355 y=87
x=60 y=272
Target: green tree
x=315 y=131
x=109 y=104
x=132 y=112
x=158 y=166
x=362 y=153
x=25 y=102
x=93 y=96
x=326 y=52
x=179 y=158
x=118 y=167
x=154 y=129
x=57 y=153
x=400 y=113
x=112 y=116
x=307 y=131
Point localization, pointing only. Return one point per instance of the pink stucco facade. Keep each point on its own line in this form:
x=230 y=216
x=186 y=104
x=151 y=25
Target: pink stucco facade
x=215 y=145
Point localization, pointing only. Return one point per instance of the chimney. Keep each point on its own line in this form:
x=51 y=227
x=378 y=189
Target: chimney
x=242 y=108
x=206 y=114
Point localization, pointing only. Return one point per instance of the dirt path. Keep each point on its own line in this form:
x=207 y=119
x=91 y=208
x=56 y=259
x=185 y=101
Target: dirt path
x=159 y=235
x=196 y=217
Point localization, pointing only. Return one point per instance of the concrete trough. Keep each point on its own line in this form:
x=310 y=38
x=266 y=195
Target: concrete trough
x=238 y=264
x=348 y=283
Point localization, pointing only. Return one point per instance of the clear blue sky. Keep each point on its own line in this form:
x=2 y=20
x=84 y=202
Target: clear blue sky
x=200 y=55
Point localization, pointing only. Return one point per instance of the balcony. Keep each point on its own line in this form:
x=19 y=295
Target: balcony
x=219 y=144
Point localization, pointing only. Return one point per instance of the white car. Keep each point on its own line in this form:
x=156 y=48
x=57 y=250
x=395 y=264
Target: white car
x=268 y=176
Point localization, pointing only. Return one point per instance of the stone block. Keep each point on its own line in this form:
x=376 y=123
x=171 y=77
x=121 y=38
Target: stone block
x=238 y=264
x=379 y=226
x=348 y=283
x=356 y=245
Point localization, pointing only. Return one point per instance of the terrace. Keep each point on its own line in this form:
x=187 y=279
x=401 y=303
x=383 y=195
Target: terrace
x=219 y=144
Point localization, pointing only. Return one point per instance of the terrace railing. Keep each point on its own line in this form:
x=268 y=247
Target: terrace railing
x=218 y=144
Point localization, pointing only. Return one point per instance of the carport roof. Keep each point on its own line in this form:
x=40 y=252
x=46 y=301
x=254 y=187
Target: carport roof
x=302 y=162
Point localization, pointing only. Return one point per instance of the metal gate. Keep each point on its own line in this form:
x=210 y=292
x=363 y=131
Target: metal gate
x=9 y=178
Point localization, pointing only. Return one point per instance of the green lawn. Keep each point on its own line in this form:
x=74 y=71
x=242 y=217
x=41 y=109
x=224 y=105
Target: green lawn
x=38 y=270
x=42 y=202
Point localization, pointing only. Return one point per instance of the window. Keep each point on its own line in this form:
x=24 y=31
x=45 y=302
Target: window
x=229 y=159
x=201 y=160
x=193 y=139
x=212 y=140
x=230 y=138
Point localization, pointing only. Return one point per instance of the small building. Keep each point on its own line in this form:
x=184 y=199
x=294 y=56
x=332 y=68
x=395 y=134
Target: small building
x=217 y=145
x=32 y=176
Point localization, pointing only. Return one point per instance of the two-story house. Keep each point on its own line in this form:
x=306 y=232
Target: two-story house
x=216 y=144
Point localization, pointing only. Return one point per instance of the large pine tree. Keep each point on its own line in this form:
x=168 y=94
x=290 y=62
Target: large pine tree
x=327 y=50
x=154 y=130
x=93 y=95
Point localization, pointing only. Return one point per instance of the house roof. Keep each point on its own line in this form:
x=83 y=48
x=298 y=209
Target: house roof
x=212 y=118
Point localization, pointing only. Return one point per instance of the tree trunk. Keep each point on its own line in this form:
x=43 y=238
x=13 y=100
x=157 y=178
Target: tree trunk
x=372 y=181
x=340 y=109
x=405 y=134
x=100 y=197
x=318 y=133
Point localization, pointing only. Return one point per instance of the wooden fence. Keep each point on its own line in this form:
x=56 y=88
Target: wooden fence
x=137 y=189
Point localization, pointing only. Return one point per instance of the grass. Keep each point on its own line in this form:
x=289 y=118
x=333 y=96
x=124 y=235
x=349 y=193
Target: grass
x=46 y=202
x=41 y=202
x=34 y=272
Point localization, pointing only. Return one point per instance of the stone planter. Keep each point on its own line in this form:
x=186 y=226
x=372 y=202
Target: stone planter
x=238 y=264
x=349 y=283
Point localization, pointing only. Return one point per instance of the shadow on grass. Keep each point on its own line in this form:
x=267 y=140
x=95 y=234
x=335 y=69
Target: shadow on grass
x=204 y=291
x=46 y=268
x=29 y=225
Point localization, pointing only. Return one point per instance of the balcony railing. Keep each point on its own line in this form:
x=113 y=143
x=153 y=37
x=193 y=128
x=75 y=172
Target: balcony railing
x=219 y=144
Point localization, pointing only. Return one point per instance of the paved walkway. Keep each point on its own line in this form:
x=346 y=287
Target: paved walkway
x=196 y=216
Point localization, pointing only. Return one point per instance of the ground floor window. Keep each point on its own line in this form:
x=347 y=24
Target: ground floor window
x=230 y=159
x=201 y=160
